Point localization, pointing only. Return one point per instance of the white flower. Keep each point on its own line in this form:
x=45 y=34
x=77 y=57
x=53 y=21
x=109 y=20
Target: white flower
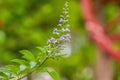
x=59 y=24
x=68 y=36
x=67 y=30
x=55 y=31
x=63 y=30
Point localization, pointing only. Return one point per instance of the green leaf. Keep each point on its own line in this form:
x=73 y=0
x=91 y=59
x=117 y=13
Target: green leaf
x=3 y=75
x=28 y=55
x=32 y=64
x=13 y=68
x=8 y=74
x=19 y=61
x=42 y=57
x=41 y=49
x=53 y=74
x=42 y=54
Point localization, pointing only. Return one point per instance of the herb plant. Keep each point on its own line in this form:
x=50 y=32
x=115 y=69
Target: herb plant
x=31 y=63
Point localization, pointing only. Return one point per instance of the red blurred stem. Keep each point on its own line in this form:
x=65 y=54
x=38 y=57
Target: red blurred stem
x=111 y=23
x=87 y=10
x=96 y=31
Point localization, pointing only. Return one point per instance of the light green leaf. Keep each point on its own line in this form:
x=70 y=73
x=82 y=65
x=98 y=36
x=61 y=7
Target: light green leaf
x=42 y=54
x=41 y=49
x=53 y=74
x=19 y=61
x=7 y=72
x=42 y=57
x=13 y=68
x=28 y=55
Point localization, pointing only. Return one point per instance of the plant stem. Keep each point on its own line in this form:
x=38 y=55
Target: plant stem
x=34 y=69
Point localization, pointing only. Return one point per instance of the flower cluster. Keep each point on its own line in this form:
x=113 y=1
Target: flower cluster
x=61 y=34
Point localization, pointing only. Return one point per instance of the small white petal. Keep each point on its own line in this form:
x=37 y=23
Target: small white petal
x=63 y=30
x=59 y=24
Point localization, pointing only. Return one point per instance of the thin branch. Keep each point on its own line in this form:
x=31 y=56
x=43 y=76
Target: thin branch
x=38 y=66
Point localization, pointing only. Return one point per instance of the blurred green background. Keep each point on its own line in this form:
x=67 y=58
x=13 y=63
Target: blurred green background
x=26 y=24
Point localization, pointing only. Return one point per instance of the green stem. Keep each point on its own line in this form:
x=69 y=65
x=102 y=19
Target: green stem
x=34 y=69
